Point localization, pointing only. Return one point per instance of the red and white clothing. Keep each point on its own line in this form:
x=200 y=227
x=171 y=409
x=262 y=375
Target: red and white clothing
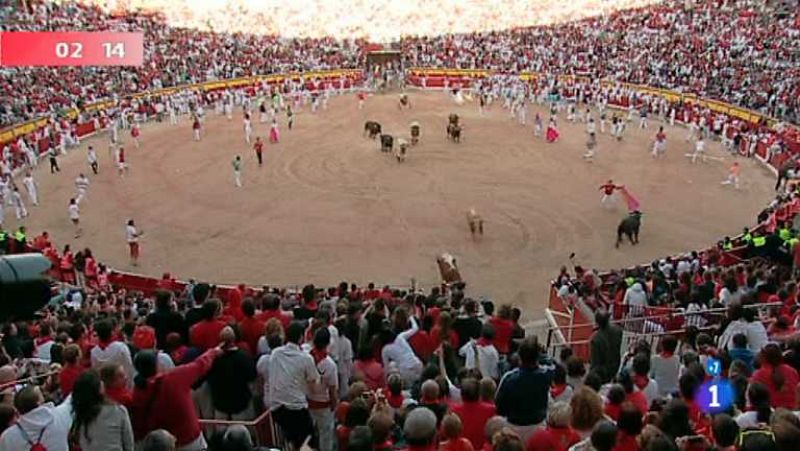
x=116 y=353
x=132 y=237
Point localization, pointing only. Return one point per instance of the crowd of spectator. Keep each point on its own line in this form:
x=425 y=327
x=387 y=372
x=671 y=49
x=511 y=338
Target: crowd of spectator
x=739 y=51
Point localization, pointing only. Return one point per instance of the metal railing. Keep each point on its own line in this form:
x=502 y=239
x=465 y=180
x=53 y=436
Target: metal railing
x=262 y=428
x=647 y=328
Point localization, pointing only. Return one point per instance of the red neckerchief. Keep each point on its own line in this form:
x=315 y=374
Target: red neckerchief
x=104 y=344
x=557 y=390
x=319 y=355
x=640 y=381
x=395 y=401
x=483 y=342
x=42 y=340
x=120 y=394
x=666 y=355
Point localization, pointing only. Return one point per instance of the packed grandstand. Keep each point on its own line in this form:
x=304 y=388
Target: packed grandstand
x=118 y=361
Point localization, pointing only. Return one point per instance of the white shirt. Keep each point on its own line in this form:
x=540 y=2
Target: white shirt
x=700 y=146
x=82 y=183
x=756 y=336
x=164 y=362
x=734 y=328
x=400 y=353
x=488 y=357
x=116 y=353
x=262 y=367
x=29 y=183
x=747 y=420
x=130 y=234
x=92 y=156
x=650 y=391
x=74 y=212
x=55 y=420
x=43 y=350
x=329 y=378
x=291 y=372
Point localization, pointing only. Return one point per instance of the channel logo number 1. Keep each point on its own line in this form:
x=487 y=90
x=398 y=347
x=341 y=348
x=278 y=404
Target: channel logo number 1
x=715 y=395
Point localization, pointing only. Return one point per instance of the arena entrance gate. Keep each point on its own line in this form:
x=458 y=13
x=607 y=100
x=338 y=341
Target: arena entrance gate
x=385 y=68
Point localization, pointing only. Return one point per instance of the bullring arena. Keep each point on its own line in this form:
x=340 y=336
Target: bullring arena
x=327 y=198
x=594 y=245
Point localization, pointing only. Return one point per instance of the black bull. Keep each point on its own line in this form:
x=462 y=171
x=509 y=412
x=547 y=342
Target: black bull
x=629 y=227
x=387 y=142
x=373 y=128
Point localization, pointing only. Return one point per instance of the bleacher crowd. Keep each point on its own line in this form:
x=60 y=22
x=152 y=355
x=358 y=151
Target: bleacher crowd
x=742 y=52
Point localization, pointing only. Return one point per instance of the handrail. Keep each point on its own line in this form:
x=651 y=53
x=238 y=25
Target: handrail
x=249 y=423
x=676 y=313
x=28 y=379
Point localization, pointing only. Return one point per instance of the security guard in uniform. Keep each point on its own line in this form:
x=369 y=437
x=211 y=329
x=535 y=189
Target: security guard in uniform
x=727 y=244
x=3 y=242
x=21 y=240
x=747 y=237
x=784 y=232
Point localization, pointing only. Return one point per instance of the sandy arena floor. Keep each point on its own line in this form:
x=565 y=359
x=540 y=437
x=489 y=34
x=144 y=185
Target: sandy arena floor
x=328 y=206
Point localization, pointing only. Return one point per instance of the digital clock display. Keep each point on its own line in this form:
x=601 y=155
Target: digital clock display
x=71 y=49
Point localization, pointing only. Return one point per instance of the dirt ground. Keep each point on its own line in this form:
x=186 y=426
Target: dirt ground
x=328 y=206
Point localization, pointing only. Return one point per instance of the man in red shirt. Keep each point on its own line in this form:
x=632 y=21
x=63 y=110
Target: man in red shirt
x=205 y=334
x=115 y=382
x=259 y=148
x=233 y=308
x=271 y=308
x=557 y=435
x=474 y=413
x=251 y=327
x=503 y=328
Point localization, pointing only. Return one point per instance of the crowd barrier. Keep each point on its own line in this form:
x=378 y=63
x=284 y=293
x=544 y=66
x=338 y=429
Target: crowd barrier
x=444 y=78
x=262 y=429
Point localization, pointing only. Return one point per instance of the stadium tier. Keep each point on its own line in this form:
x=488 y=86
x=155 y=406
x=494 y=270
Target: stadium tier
x=696 y=351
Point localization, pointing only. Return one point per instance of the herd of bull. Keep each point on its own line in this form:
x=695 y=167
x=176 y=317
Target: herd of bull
x=387 y=142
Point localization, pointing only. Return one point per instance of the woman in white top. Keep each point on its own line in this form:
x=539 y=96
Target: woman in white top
x=398 y=354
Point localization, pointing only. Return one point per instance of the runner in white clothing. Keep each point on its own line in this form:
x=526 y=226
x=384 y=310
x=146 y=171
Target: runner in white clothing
x=19 y=205
x=699 y=150
x=81 y=184
x=132 y=237
x=31 y=188
x=91 y=157
x=248 y=128
x=75 y=217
